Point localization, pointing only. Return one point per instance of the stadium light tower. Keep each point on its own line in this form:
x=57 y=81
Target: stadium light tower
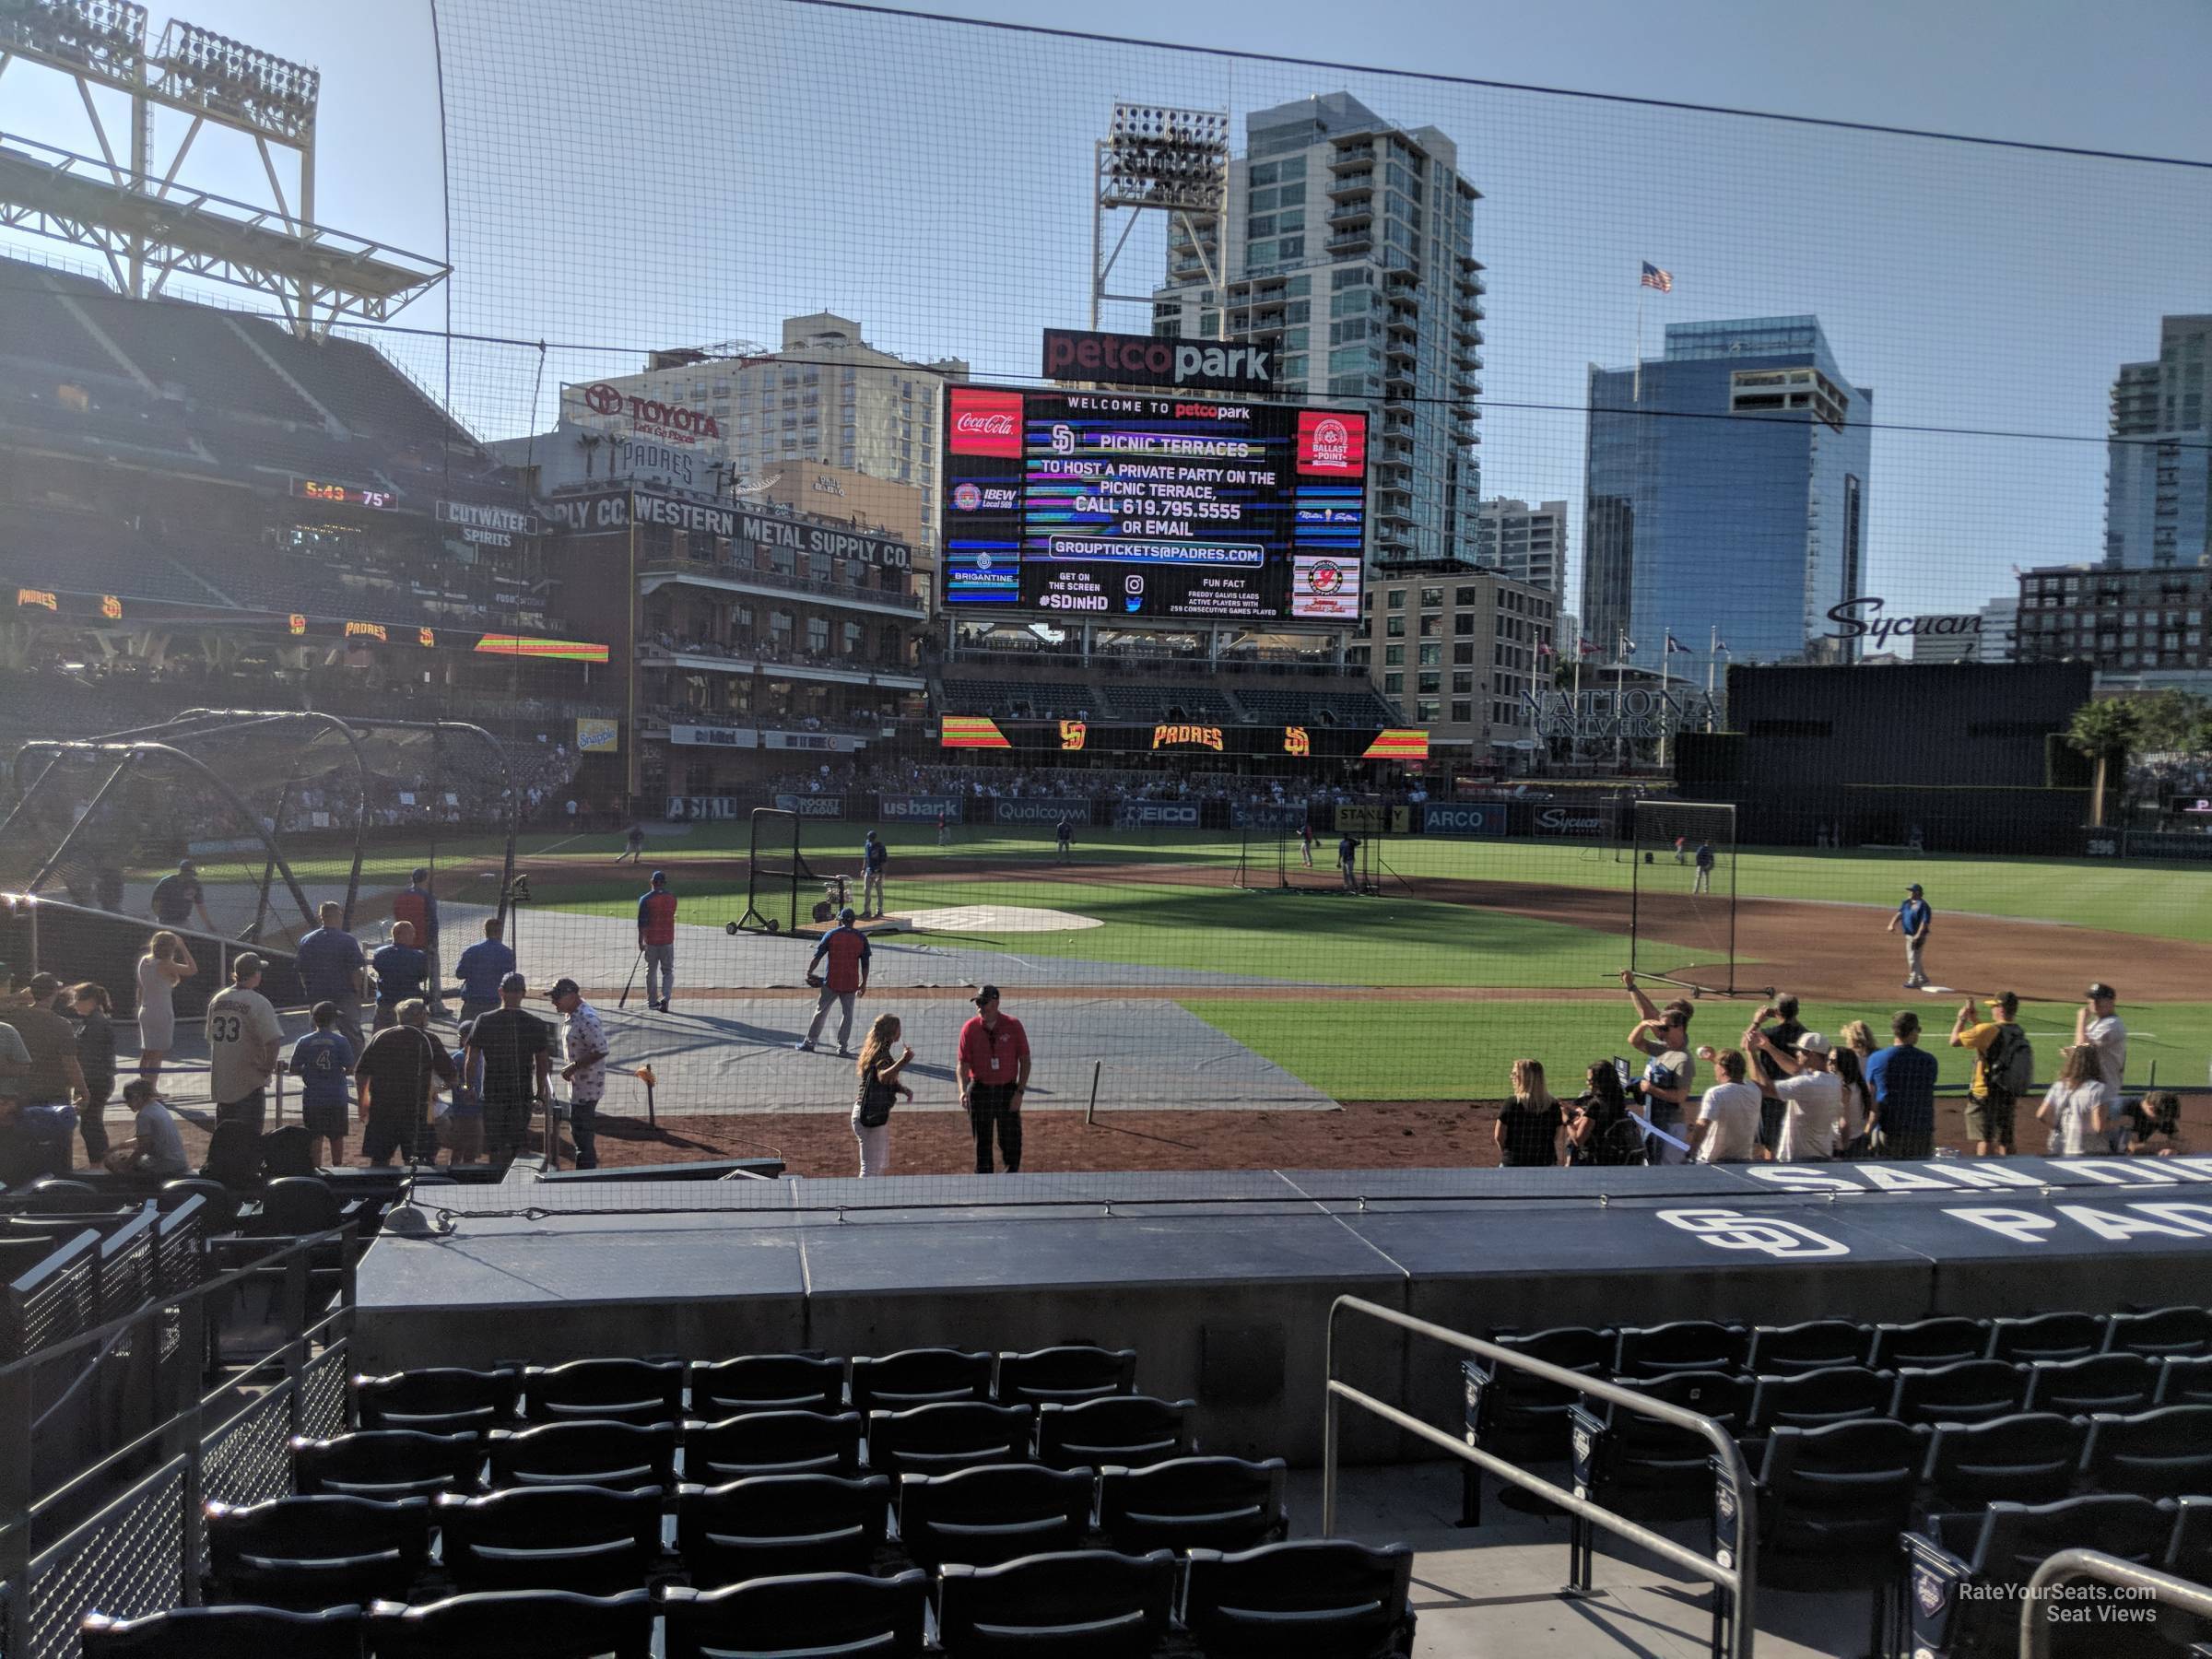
x=1164 y=159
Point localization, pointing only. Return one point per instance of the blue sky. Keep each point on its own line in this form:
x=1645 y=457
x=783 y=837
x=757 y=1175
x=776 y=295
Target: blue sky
x=629 y=174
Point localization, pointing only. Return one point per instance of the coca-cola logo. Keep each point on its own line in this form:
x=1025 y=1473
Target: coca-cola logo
x=984 y=422
x=602 y=399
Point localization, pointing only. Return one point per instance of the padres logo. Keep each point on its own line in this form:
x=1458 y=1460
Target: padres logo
x=1072 y=734
x=1732 y=1230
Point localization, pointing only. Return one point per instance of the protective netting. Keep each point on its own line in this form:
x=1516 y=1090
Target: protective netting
x=1606 y=471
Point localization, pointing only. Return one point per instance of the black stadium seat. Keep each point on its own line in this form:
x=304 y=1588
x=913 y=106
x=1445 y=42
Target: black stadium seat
x=387 y=1463
x=2027 y=1457
x=2162 y=1453
x=772 y=1443
x=441 y=1400
x=766 y=1383
x=1084 y=1603
x=225 y=1633
x=986 y=1515
x=1966 y=1391
x=2046 y=1337
x=1817 y=1345
x=1927 y=1344
x=937 y=1440
x=1129 y=1430
x=1688 y=1345
x=919 y=1377
x=1064 y=1376
x=2162 y=1334
x=2185 y=1381
x=1817 y=1398
x=773 y=1525
x=1301 y=1600
x=306 y=1553
x=621 y=1456
x=2116 y=1382
x=1193 y=1503
x=627 y=1391
x=812 y=1616
x=1519 y=1415
x=564 y=1537
x=512 y=1624
x=1649 y=1469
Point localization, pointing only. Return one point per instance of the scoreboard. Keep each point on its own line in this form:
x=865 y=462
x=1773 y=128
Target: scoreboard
x=1157 y=507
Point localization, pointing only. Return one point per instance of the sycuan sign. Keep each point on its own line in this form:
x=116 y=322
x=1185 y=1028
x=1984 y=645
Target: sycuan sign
x=1852 y=625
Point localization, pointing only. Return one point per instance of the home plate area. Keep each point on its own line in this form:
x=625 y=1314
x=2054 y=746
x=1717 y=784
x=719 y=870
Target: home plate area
x=988 y=919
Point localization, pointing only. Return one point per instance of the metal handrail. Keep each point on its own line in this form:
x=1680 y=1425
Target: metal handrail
x=1739 y=1578
x=2070 y=1564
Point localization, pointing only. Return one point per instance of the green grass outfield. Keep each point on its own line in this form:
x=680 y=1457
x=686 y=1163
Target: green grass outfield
x=1443 y=1051
x=2164 y=901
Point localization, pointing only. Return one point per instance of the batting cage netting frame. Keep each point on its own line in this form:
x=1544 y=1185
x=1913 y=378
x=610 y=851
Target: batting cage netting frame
x=1666 y=844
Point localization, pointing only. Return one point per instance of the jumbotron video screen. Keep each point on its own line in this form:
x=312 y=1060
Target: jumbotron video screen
x=1155 y=507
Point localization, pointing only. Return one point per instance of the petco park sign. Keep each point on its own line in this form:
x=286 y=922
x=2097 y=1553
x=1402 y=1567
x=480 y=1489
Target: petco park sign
x=1119 y=360
x=647 y=416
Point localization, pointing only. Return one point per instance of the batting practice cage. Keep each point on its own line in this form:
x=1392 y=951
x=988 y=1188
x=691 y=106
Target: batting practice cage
x=1300 y=582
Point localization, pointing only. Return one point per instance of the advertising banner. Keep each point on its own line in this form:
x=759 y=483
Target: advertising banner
x=711 y=736
x=1477 y=818
x=1041 y=809
x=813 y=805
x=1270 y=817
x=596 y=736
x=1119 y=360
x=1592 y=821
x=917 y=808
x=698 y=809
x=1373 y=820
x=1156 y=815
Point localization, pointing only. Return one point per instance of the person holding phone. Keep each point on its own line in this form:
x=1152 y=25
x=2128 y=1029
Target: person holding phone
x=879 y=1090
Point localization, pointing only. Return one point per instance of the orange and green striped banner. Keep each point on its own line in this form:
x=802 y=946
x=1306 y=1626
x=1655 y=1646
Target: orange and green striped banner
x=1399 y=743
x=971 y=731
x=530 y=645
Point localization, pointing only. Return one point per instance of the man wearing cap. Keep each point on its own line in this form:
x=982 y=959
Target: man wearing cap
x=481 y=967
x=993 y=1073
x=656 y=939
x=874 y=855
x=842 y=978
x=175 y=898
x=243 y=1038
x=54 y=1077
x=398 y=1074
x=1912 y=918
x=1989 y=1112
x=583 y=1048
x=2096 y=1024
x=511 y=1053
x=1811 y=1095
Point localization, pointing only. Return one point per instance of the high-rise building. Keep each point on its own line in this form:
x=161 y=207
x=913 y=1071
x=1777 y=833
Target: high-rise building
x=1348 y=244
x=2158 y=500
x=1725 y=481
x=1528 y=544
x=2124 y=621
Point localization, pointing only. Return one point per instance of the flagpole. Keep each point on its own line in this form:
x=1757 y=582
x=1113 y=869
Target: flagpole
x=1666 y=651
x=1574 y=722
x=1636 y=381
x=1620 y=674
x=1713 y=652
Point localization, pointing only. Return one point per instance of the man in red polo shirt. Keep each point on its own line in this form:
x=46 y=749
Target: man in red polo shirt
x=994 y=1072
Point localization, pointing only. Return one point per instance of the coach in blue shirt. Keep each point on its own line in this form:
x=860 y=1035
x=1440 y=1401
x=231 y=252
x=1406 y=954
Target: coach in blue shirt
x=481 y=967
x=1902 y=1077
x=334 y=969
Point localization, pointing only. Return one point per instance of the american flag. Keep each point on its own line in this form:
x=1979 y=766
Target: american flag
x=1674 y=644
x=1586 y=648
x=1654 y=278
x=1544 y=651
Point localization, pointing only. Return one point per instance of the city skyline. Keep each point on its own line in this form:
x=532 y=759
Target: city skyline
x=1982 y=291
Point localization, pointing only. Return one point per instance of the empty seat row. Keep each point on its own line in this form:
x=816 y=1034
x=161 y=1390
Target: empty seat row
x=313 y=1551
x=1312 y=1597
x=1127 y=1429
x=445 y=1399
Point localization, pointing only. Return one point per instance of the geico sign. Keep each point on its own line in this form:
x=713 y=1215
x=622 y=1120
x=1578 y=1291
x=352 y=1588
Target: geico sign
x=1560 y=822
x=652 y=416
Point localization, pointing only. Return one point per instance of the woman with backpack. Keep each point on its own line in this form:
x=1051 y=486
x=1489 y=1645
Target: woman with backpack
x=2076 y=1105
x=879 y=1091
x=2004 y=1070
x=1600 y=1128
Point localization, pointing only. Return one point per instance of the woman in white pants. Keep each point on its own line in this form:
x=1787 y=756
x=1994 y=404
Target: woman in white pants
x=879 y=1085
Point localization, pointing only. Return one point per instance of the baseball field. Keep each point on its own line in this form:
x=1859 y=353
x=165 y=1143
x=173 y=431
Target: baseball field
x=1180 y=973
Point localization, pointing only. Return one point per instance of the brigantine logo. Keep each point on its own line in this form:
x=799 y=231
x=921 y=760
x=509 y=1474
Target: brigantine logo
x=1174 y=737
x=1880 y=627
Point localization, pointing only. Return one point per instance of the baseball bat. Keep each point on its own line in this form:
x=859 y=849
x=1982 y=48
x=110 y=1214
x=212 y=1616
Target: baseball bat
x=632 y=979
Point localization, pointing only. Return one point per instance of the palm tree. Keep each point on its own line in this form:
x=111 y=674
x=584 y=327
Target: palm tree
x=2103 y=729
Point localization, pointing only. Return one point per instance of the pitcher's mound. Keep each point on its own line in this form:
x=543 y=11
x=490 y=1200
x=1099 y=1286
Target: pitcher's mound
x=996 y=919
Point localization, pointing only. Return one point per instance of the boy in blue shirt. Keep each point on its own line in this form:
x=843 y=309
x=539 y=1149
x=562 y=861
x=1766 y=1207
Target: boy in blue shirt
x=322 y=1061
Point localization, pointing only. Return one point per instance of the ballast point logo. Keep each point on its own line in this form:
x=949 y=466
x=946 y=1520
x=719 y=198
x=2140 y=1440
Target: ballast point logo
x=985 y=423
x=1330 y=443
